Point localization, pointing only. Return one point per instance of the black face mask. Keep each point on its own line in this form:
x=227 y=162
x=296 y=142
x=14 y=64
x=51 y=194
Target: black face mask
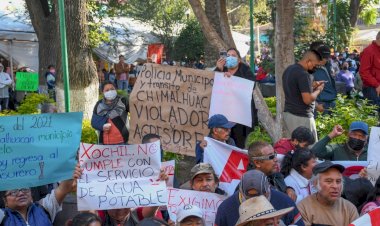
x=312 y=70
x=356 y=144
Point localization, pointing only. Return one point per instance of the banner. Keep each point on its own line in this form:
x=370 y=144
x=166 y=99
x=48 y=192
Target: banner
x=172 y=102
x=369 y=219
x=353 y=168
x=232 y=97
x=169 y=169
x=155 y=53
x=206 y=201
x=38 y=149
x=26 y=81
x=120 y=176
x=229 y=163
x=373 y=158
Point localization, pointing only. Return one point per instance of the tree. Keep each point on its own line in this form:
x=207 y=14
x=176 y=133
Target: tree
x=84 y=84
x=284 y=43
x=363 y=8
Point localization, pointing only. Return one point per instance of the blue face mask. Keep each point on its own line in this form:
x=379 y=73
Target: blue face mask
x=231 y=62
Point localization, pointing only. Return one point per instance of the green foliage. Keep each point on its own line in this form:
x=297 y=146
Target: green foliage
x=346 y=111
x=369 y=16
x=271 y=102
x=190 y=42
x=31 y=103
x=96 y=13
x=88 y=133
x=258 y=134
x=172 y=156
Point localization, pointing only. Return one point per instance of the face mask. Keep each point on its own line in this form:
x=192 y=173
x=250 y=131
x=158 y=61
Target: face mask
x=231 y=62
x=52 y=71
x=110 y=94
x=356 y=144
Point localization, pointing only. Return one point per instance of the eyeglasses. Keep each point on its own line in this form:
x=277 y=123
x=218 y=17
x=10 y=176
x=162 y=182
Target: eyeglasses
x=16 y=191
x=267 y=157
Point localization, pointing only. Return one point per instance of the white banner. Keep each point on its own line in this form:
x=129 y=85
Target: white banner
x=168 y=168
x=206 y=201
x=232 y=98
x=353 y=168
x=374 y=155
x=229 y=163
x=120 y=176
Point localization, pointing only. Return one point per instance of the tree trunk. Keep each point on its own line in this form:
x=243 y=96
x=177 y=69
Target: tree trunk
x=212 y=53
x=224 y=24
x=44 y=23
x=354 y=12
x=284 y=52
x=84 y=85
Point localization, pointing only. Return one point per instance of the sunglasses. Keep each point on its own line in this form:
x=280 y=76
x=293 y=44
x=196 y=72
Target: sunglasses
x=267 y=157
x=14 y=192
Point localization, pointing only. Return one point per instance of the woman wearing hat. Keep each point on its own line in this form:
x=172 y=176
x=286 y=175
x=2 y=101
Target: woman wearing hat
x=258 y=211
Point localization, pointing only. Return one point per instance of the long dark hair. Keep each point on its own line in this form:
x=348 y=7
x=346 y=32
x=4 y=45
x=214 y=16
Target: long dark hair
x=295 y=160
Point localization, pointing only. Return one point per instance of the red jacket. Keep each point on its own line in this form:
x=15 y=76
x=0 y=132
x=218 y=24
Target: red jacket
x=370 y=66
x=283 y=146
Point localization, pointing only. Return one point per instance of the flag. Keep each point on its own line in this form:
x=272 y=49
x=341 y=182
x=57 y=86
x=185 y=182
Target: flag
x=229 y=163
x=369 y=219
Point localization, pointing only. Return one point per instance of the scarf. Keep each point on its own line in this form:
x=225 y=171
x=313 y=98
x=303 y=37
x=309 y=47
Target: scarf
x=113 y=110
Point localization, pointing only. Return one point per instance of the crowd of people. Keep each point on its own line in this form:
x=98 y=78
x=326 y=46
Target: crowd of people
x=293 y=182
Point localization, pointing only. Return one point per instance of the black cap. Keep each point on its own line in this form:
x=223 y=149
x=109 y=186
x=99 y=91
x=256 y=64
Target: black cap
x=324 y=166
x=324 y=51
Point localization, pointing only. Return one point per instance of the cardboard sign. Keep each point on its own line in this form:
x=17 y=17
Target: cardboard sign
x=373 y=158
x=120 y=176
x=206 y=201
x=26 y=81
x=172 y=102
x=232 y=98
x=38 y=149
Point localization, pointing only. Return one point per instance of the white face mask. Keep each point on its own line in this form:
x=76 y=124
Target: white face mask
x=110 y=94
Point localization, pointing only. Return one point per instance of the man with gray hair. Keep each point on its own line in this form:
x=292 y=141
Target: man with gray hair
x=370 y=71
x=5 y=83
x=326 y=207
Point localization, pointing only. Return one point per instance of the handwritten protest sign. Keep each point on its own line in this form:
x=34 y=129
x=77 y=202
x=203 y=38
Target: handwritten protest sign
x=232 y=98
x=172 y=102
x=26 y=81
x=168 y=168
x=38 y=149
x=206 y=201
x=120 y=176
x=374 y=155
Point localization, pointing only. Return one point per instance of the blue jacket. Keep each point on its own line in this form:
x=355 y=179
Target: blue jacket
x=199 y=151
x=328 y=93
x=36 y=216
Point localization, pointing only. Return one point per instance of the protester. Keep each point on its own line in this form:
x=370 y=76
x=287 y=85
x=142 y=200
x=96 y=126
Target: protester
x=326 y=207
x=372 y=200
x=50 y=81
x=204 y=178
x=110 y=116
x=254 y=183
x=370 y=71
x=301 y=92
x=263 y=157
x=112 y=77
x=20 y=209
x=297 y=168
x=353 y=150
x=347 y=77
x=5 y=83
x=86 y=219
x=190 y=215
x=232 y=65
x=258 y=211
x=326 y=99
x=220 y=129
x=122 y=72
x=301 y=137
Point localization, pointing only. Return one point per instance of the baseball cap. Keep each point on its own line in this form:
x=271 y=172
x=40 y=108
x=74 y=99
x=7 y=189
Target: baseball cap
x=188 y=211
x=254 y=179
x=324 y=51
x=201 y=168
x=358 y=125
x=219 y=121
x=324 y=166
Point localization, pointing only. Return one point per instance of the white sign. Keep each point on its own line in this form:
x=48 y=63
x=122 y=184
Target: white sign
x=352 y=168
x=232 y=98
x=168 y=168
x=373 y=158
x=120 y=176
x=206 y=201
x=229 y=163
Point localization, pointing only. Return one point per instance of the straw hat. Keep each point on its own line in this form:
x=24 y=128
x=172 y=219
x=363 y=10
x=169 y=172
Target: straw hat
x=258 y=208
